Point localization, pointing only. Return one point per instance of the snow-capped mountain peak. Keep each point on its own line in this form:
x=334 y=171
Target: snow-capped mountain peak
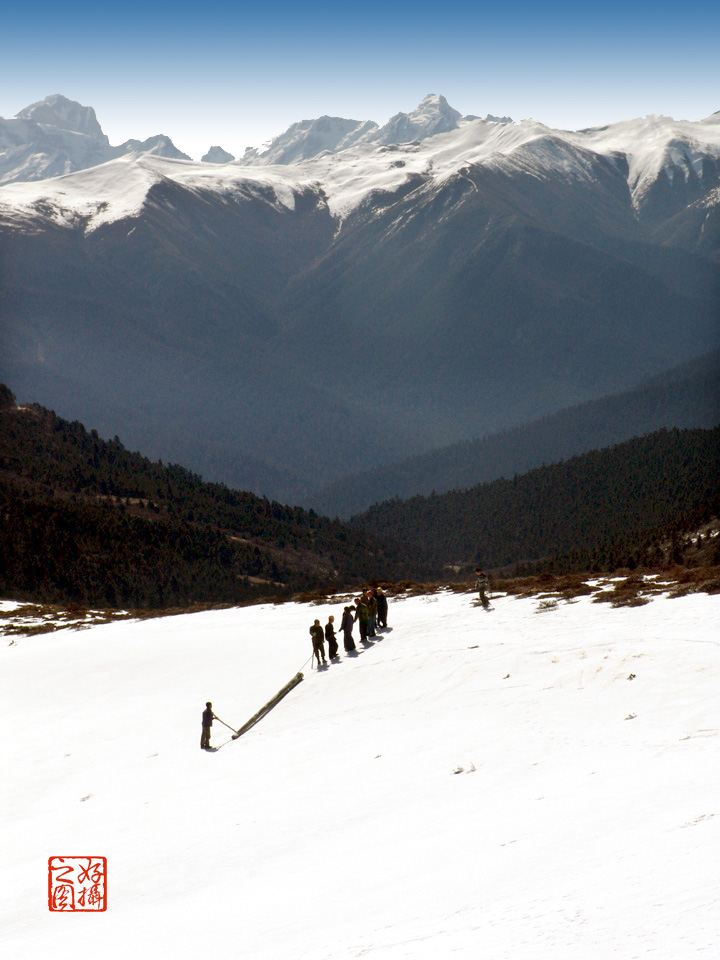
x=666 y=163
x=433 y=115
x=56 y=136
x=58 y=111
x=216 y=154
x=157 y=146
x=347 y=160
x=549 y=243
x=309 y=138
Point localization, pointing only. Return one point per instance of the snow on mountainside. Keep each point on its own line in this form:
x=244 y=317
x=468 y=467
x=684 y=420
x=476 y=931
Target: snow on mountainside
x=58 y=111
x=119 y=189
x=536 y=781
x=57 y=136
x=157 y=146
x=347 y=160
x=433 y=115
x=309 y=138
x=507 y=270
x=657 y=144
x=643 y=148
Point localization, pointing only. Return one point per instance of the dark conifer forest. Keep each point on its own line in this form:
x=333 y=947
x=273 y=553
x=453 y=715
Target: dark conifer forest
x=623 y=506
x=89 y=523
x=86 y=521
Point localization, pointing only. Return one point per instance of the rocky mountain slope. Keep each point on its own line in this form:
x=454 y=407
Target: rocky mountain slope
x=57 y=136
x=87 y=521
x=280 y=326
x=626 y=506
x=686 y=396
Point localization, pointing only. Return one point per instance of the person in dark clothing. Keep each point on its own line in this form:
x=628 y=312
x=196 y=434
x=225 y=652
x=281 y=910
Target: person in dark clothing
x=346 y=625
x=207 y=719
x=382 y=607
x=371 y=604
x=361 y=615
x=331 y=638
x=318 y=642
x=481 y=582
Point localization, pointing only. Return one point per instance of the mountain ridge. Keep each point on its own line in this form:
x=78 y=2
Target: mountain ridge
x=57 y=136
x=684 y=397
x=85 y=520
x=619 y=507
x=309 y=320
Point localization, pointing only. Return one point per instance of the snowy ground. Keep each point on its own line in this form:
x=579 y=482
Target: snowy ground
x=518 y=783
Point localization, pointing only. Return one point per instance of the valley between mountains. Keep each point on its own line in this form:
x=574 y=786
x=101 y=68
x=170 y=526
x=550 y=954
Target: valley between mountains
x=330 y=306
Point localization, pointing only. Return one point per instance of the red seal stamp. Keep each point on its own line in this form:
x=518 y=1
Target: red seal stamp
x=77 y=884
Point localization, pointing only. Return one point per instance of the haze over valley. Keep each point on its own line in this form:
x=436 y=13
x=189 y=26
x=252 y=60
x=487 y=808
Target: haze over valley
x=352 y=294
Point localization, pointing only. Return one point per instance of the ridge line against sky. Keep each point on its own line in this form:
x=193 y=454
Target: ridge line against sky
x=237 y=75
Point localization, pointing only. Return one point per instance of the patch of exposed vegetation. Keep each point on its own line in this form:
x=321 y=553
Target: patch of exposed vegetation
x=32 y=619
x=623 y=589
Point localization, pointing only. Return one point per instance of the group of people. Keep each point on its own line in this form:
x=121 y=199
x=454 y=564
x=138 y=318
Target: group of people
x=370 y=611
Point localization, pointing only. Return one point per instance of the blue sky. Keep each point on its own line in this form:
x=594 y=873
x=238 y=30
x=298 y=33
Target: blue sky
x=235 y=74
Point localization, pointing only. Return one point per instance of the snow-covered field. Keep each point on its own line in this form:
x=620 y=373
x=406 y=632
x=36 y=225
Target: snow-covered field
x=517 y=783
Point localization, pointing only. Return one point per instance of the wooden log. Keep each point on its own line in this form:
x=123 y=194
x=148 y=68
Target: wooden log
x=269 y=706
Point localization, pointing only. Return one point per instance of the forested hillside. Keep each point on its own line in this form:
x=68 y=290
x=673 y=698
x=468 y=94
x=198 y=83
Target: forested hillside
x=687 y=396
x=86 y=521
x=601 y=510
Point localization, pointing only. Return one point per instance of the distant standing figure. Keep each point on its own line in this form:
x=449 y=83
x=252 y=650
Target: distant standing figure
x=318 y=642
x=481 y=582
x=382 y=607
x=207 y=719
x=331 y=638
x=346 y=625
